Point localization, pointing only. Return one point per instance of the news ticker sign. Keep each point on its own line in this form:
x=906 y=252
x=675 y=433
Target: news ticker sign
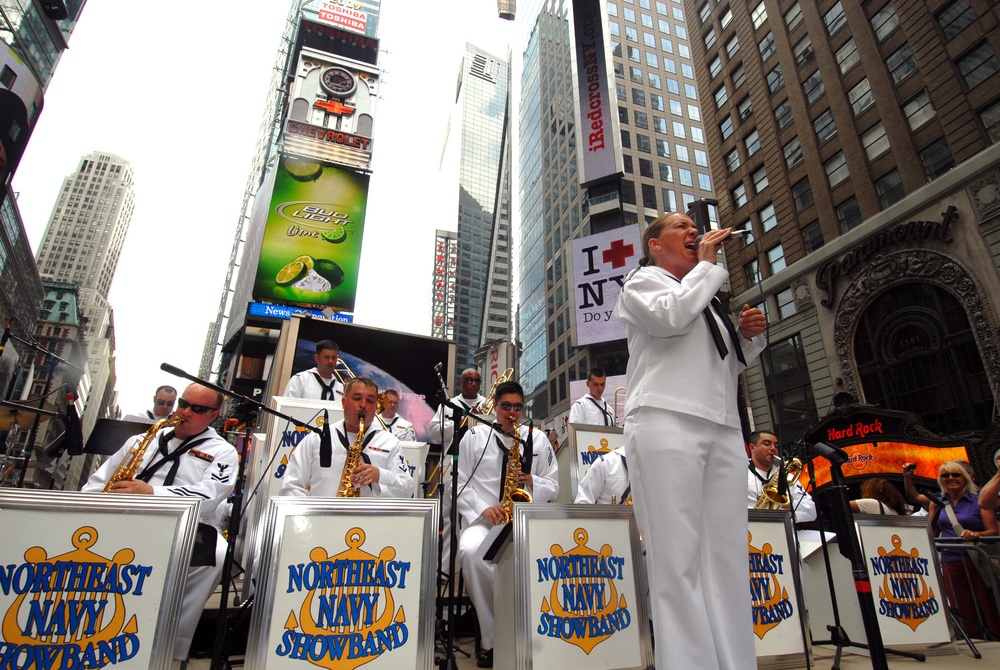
x=337 y=41
x=598 y=126
x=600 y=264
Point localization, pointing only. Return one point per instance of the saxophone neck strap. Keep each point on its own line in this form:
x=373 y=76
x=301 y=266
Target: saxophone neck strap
x=347 y=445
x=173 y=457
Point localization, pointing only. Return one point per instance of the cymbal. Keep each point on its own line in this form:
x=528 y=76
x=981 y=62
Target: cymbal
x=24 y=418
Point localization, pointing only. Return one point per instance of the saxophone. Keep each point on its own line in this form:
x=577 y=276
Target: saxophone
x=347 y=488
x=512 y=493
x=769 y=496
x=133 y=459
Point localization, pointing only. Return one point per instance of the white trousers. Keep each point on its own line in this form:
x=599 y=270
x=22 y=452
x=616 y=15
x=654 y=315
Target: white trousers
x=478 y=576
x=201 y=583
x=688 y=480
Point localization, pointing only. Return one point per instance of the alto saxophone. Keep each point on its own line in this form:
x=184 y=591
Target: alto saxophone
x=769 y=496
x=133 y=459
x=347 y=488
x=512 y=493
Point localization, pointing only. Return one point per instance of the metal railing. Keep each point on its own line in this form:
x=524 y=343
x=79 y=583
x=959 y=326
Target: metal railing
x=973 y=598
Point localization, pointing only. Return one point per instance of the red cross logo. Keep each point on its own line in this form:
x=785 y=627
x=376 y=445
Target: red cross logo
x=618 y=253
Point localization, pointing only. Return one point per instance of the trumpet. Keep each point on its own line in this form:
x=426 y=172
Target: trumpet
x=620 y=393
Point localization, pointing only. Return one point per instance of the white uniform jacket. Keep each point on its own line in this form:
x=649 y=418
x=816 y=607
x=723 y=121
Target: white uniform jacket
x=481 y=470
x=802 y=502
x=591 y=411
x=401 y=428
x=305 y=477
x=442 y=429
x=659 y=311
x=304 y=385
x=206 y=472
x=607 y=478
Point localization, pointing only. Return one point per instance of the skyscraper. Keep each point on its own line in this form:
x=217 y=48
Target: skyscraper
x=858 y=142
x=483 y=204
x=82 y=244
x=661 y=151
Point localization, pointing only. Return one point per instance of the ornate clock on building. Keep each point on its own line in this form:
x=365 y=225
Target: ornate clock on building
x=338 y=81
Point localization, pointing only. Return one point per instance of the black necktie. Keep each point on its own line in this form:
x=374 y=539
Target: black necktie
x=713 y=327
x=604 y=409
x=327 y=388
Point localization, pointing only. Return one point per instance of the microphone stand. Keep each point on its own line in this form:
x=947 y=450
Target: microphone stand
x=220 y=651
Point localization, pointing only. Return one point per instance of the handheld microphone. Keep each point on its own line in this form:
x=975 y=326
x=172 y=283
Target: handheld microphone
x=437 y=368
x=325 y=442
x=733 y=233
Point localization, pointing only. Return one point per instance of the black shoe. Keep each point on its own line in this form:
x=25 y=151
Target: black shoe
x=484 y=658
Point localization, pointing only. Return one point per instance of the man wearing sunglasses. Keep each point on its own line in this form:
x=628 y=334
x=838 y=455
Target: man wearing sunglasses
x=382 y=473
x=163 y=406
x=482 y=469
x=190 y=460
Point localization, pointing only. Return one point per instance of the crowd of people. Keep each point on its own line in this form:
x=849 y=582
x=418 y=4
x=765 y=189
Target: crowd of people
x=684 y=451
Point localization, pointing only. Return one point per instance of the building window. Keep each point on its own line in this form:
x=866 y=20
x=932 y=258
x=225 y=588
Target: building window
x=758 y=16
x=875 y=141
x=956 y=17
x=732 y=46
x=766 y=46
x=642 y=143
x=991 y=120
x=937 y=158
x=752 y=273
x=836 y=168
x=678 y=128
x=660 y=124
x=739 y=76
x=645 y=168
x=682 y=153
x=627 y=164
x=802 y=193
x=669 y=200
x=697 y=135
x=861 y=97
x=727 y=18
x=721 y=96
x=705 y=13
x=635 y=74
x=652 y=60
x=918 y=110
x=885 y=21
x=662 y=148
x=849 y=214
x=786 y=303
x=638 y=97
x=977 y=65
x=824 y=126
x=666 y=173
x=685 y=177
x=759 y=177
x=654 y=80
x=783 y=115
x=669 y=65
x=694 y=112
x=775 y=80
x=704 y=182
x=715 y=67
x=631 y=34
x=901 y=63
x=793 y=152
x=676 y=108
x=656 y=101
x=752 y=142
x=648 y=196
x=803 y=50
x=621 y=91
x=835 y=19
x=745 y=108
x=890 y=188
x=710 y=39
x=633 y=54
x=626 y=140
x=726 y=128
x=640 y=118
x=812 y=236
x=776 y=259
x=623 y=115
x=813 y=87
x=768 y=219
x=847 y=56
x=690 y=91
x=793 y=17
x=701 y=158
x=739 y=194
x=732 y=161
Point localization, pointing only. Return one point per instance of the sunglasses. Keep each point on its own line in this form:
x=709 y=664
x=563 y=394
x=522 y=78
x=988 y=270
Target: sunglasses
x=197 y=409
x=164 y=402
x=951 y=475
x=471 y=380
x=507 y=407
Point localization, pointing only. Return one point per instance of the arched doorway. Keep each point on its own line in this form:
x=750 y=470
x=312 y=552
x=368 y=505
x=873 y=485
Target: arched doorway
x=915 y=351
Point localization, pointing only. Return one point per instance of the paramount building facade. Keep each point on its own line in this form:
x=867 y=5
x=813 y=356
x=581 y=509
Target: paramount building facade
x=858 y=143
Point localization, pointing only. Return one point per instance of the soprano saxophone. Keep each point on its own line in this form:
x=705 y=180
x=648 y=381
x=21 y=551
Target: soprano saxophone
x=133 y=459
x=347 y=488
x=512 y=493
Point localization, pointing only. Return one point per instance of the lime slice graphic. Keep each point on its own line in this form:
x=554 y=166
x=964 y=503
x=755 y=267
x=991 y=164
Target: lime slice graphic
x=303 y=170
x=291 y=273
x=306 y=261
x=335 y=235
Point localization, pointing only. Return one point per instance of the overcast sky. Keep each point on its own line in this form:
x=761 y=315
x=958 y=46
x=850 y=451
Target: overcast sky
x=178 y=89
